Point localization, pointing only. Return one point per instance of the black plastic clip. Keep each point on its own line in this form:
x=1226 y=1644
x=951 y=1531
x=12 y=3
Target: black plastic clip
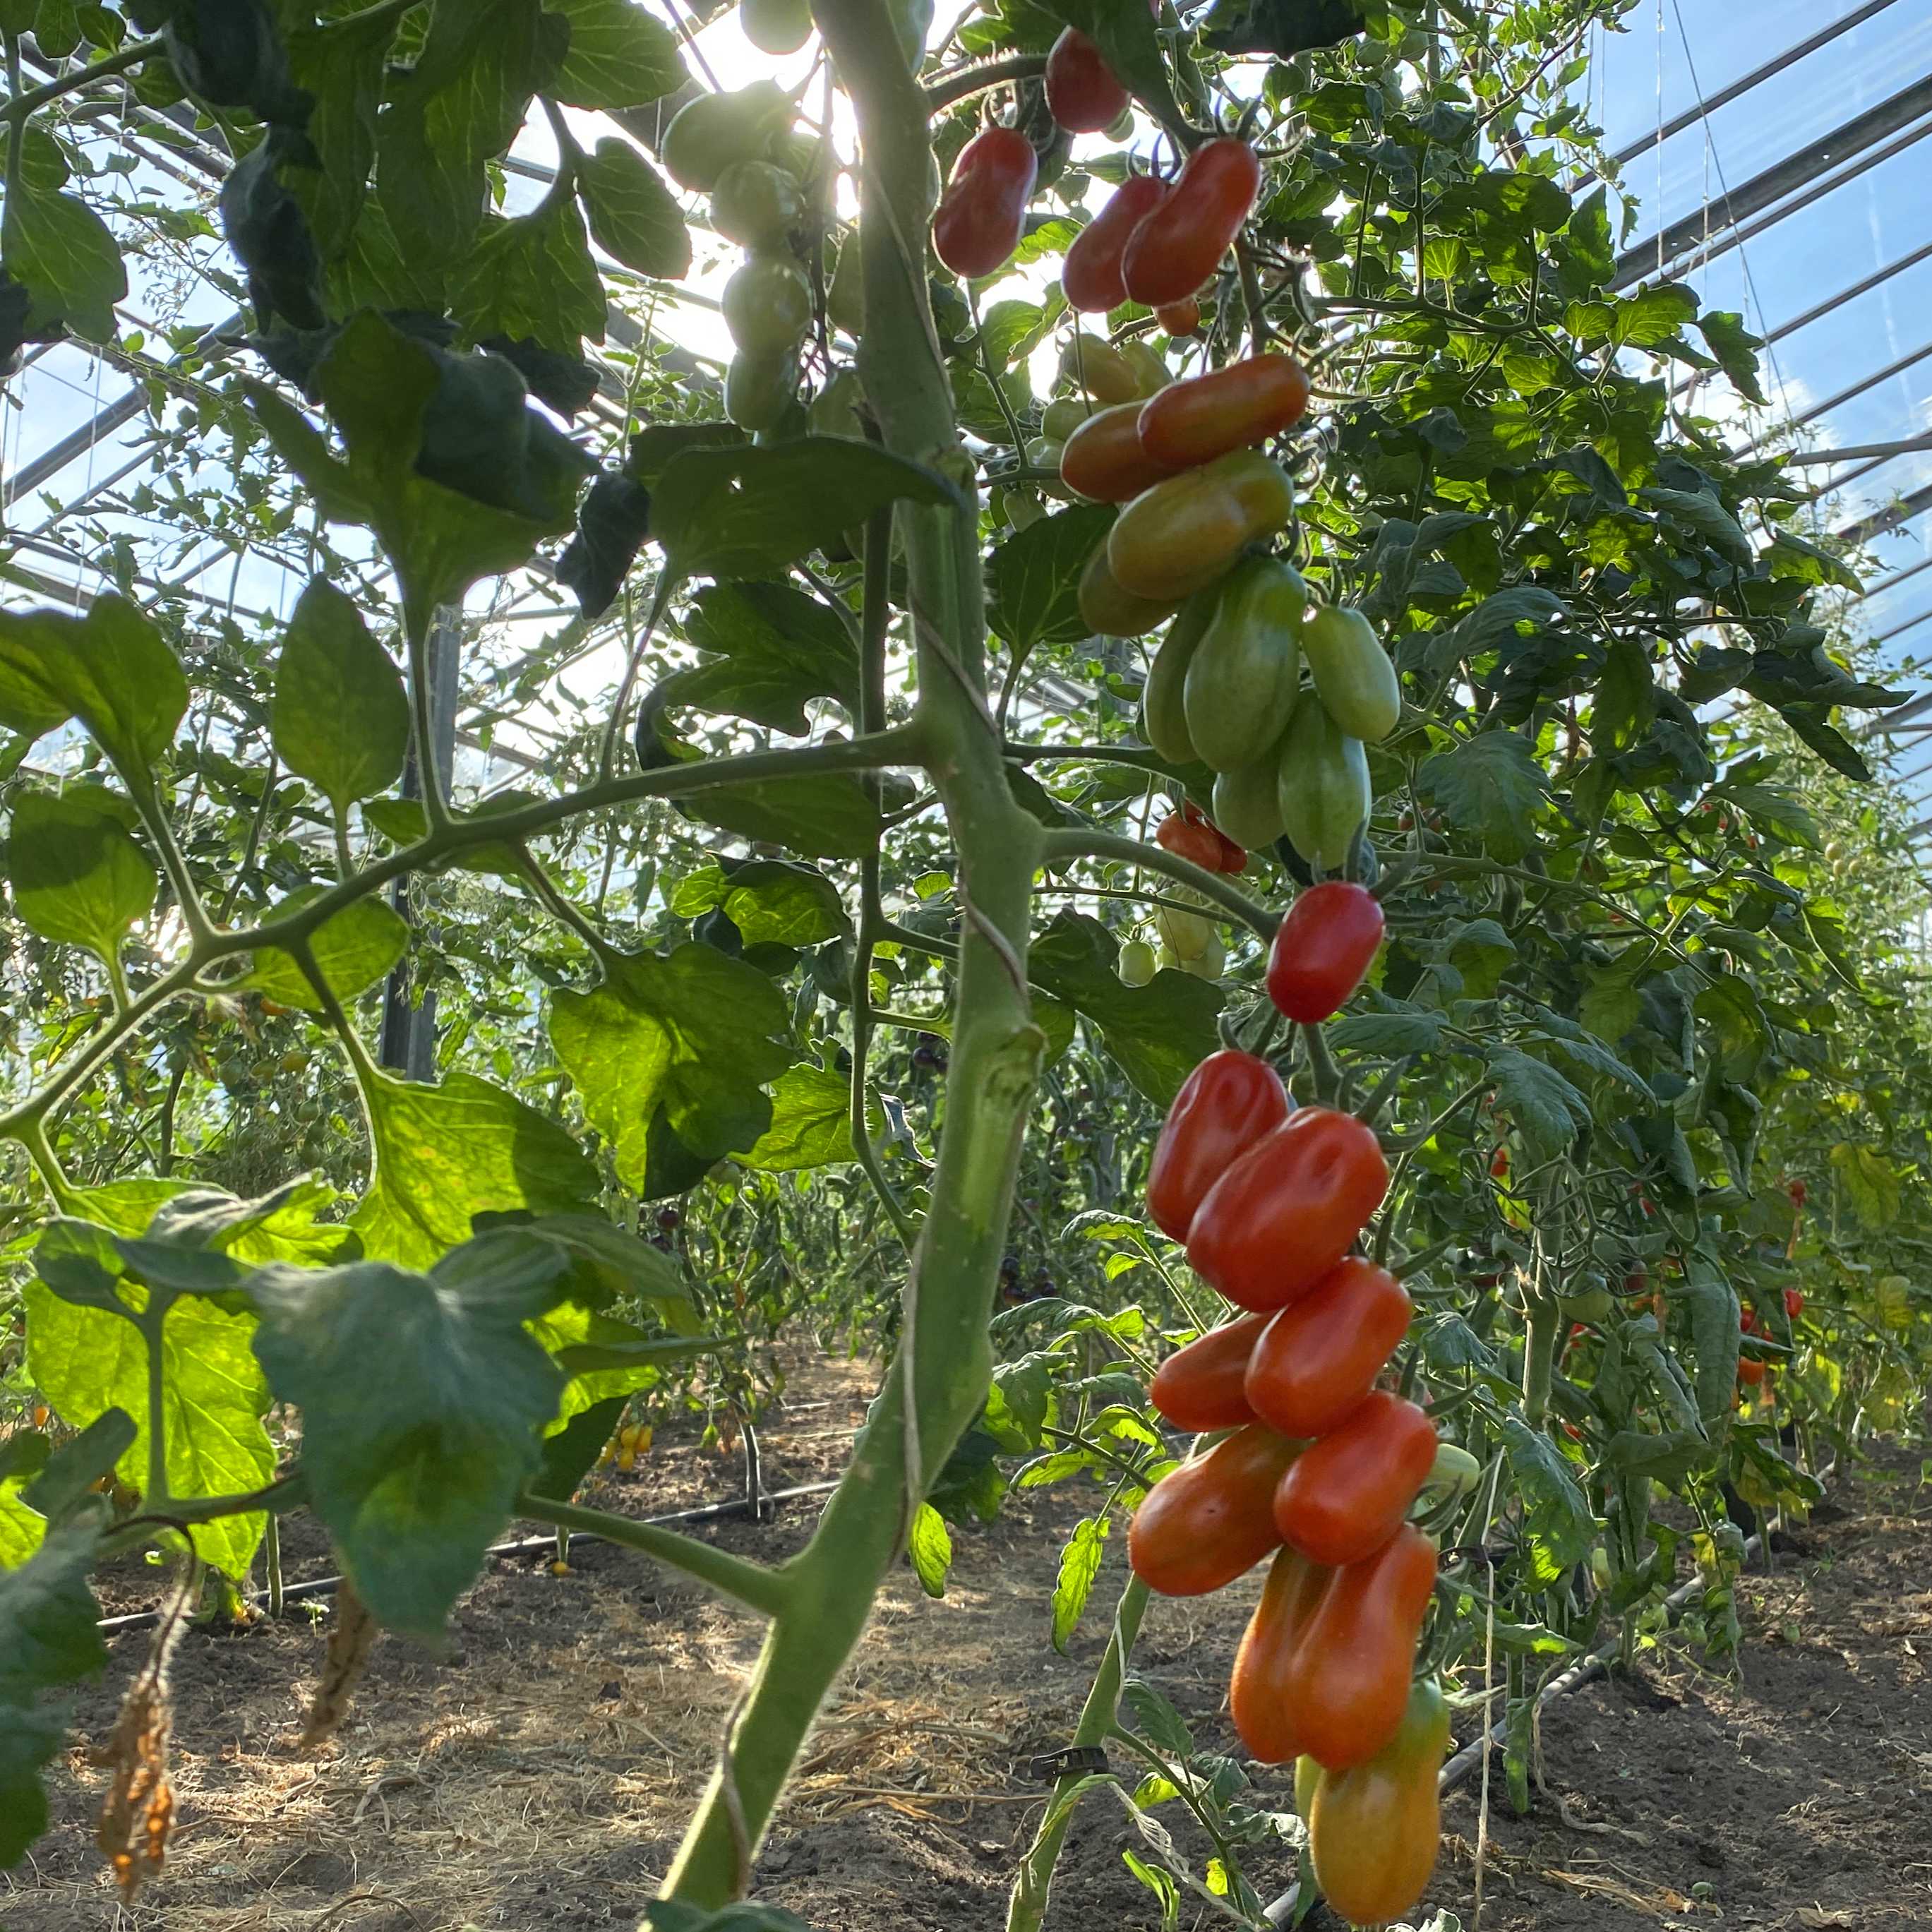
x=1075 y=1760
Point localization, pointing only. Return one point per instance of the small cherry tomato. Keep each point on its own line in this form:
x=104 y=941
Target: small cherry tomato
x=1181 y=243
x=1082 y=94
x=1231 y=408
x=1090 y=278
x=1796 y=1191
x=1103 y=459
x=1751 y=1372
x=1230 y=1102
x=1794 y=1304
x=1499 y=1164
x=982 y=213
x=1285 y=1212
x=1202 y=1386
x=1347 y=1494
x=1323 y=950
x=1179 y=318
x=1186 y=839
x=1212 y=1519
x=1315 y=1362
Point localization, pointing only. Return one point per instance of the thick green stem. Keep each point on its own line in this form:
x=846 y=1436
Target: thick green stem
x=767 y=1592
x=937 y=1382
x=1082 y=843
x=1026 y=1906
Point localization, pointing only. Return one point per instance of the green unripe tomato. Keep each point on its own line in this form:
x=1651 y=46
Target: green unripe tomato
x=1137 y=965
x=1247 y=802
x=1244 y=679
x=1187 y=933
x=1167 y=959
x=1163 y=698
x=1060 y=419
x=797 y=151
x=1151 y=373
x=709 y=133
x=759 y=389
x=1353 y=674
x=767 y=306
x=1121 y=128
x=1593 y=1304
x=775 y=26
x=835 y=409
x=1210 y=962
x=1600 y=1568
x=1324 y=783
x=845 y=296
x=1043 y=453
x=1018 y=508
x=756 y=205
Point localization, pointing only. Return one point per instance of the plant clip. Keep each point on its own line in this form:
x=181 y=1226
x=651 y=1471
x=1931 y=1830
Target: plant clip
x=1075 y=1760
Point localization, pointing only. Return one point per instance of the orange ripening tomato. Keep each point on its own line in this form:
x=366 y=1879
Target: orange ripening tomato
x=1374 y=1831
x=1103 y=458
x=1181 y=243
x=1286 y=1211
x=1212 y=1519
x=1191 y=838
x=1090 y=277
x=1230 y=408
x=1202 y=1385
x=1794 y=1303
x=1316 y=1362
x=1347 y=1495
x=1179 y=318
x=1082 y=94
x=1750 y=1371
x=1323 y=950
x=1230 y=1102
x=1323 y=1666
x=982 y=213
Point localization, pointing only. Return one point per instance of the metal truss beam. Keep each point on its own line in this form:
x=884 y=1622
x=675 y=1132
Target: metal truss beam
x=1876 y=525
x=1721 y=220
x=1844 y=396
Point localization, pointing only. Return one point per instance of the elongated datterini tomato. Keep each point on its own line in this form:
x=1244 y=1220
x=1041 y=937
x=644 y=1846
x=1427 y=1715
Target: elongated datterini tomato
x=1285 y=1212
x=1323 y=950
x=1316 y=1361
x=1348 y=1495
x=979 y=221
x=1229 y=1102
x=1181 y=243
x=1233 y=407
x=1203 y=1385
x=1212 y=1519
x=1090 y=278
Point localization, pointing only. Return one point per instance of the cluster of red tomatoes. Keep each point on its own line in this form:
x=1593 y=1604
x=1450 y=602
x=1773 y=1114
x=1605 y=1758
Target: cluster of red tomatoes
x=1322 y=1465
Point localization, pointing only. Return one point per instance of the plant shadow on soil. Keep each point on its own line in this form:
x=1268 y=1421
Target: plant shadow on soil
x=534 y=1776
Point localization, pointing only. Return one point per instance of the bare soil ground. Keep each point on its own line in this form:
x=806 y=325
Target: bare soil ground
x=534 y=1776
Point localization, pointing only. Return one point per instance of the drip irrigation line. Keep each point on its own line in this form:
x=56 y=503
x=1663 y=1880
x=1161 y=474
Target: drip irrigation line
x=527 y=1545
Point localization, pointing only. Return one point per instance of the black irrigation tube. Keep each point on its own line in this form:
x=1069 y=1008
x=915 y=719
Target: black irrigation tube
x=528 y=1546
x=1470 y=1756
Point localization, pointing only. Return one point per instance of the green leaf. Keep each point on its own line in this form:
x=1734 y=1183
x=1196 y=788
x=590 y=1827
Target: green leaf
x=1283 y=28
x=48 y=1638
x=1626 y=698
x=1159 y=1033
x=1771 y=808
x=445 y=1153
x=67 y=1482
x=77 y=876
x=1079 y=1564
x=771 y=901
x=1558 y=1528
x=618 y=55
x=1546 y=1109
x=1741 y=1033
x=87 y=1361
x=776 y=649
x=1034 y=578
x=1491 y=785
x=1791 y=557
x=1703 y=515
x=1829 y=934
x=111 y=669
x=340 y=63
x=1712 y=1304
x=1522 y=612
x=811 y=1122
x=421 y=1398
x=1735 y=348
x=754 y=512
x=354 y=948
x=929 y=1548
x=607 y=1263
x=632 y=215
x=1652 y=315
x=828 y=815
x=1870 y=1185
x=341 y=719
x=1379 y=1036
x=67 y=260
x=1577 y=1043
x=1611 y=1004
x=532 y=278
x=690 y=1031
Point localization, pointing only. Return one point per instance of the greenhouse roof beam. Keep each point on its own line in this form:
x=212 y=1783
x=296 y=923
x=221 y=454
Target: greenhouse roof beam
x=1882 y=451
x=1899 y=630
x=1846 y=395
x=1876 y=525
x=1856 y=138
x=1699 y=109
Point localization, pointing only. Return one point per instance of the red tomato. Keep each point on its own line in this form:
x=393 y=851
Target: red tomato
x=1232 y=1101
x=1191 y=838
x=1315 y=1362
x=1231 y=408
x=1499 y=1164
x=1103 y=458
x=1347 y=1495
x=1234 y=858
x=1751 y=1372
x=982 y=212
x=1285 y=1212
x=1323 y=949
x=1179 y=318
x=1211 y=1520
x=1797 y=1192
x=1324 y=1667
x=1794 y=1304
x=1081 y=91
x=1090 y=277
x=1747 y=1322
x=1200 y=1386
x=1181 y=243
